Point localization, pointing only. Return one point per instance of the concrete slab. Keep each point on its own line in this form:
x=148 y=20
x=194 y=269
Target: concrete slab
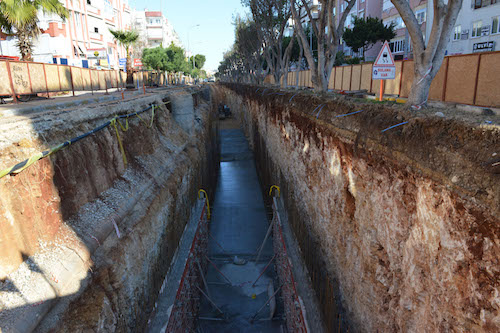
x=239 y=224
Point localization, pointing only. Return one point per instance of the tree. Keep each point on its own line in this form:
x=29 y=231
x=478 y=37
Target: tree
x=249 y=46
x=271 y=19
x=126 y=38
x=328 y=31
x=231 y=68
x=428 y=57
x=155 y=58
x=199 y=61
x=367 y=32
x=176 y=59
x=20 y=18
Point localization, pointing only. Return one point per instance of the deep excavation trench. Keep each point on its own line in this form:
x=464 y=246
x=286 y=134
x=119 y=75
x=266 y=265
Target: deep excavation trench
x=372 y=231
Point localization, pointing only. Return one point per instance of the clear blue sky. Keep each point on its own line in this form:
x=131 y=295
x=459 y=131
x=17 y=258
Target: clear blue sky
x=213 y=37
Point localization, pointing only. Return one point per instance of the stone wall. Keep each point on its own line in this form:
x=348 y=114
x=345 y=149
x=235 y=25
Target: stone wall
x=399 y=230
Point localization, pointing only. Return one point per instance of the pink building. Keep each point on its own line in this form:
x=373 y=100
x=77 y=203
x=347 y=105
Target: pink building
x=401 y=45
x=362 y=8
x=83 y=39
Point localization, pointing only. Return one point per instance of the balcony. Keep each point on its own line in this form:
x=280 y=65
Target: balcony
x=95 y=36
x=93 y=10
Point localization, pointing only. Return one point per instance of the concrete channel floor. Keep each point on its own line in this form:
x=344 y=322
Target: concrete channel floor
x=238 y=226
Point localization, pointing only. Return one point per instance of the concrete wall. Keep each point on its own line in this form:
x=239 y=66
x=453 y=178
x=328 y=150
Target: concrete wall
x=398 y=232
x=468 y=79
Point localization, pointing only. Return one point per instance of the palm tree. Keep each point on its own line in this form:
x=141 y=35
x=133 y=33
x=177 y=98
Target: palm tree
x=126 y=38
x=20 y=18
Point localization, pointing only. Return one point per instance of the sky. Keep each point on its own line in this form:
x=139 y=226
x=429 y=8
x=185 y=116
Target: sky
x=215 y=33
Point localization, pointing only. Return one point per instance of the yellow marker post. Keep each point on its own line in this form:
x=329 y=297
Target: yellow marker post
x=206 y=198
x=276 y=187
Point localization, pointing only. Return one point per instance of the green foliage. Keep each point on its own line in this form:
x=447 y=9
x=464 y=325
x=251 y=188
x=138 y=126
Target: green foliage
x=176 y=59
x=367 y=32
x=339 y=59
x=170 y=59
x=199 y=61
x=154 y=58
x=353 y=61
x=20 y=18
x=125 y=37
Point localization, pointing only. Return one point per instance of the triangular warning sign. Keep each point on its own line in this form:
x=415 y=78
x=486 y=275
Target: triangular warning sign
x=385 y=58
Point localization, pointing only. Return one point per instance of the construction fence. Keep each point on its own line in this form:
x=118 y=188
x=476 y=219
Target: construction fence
x=19 y=78
x=467 y=79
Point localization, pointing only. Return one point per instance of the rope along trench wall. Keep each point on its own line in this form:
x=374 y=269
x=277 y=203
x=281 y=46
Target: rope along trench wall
x=21 y=166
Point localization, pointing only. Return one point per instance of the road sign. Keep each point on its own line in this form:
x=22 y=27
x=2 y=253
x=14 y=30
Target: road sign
x=137 y=63
x=384 y=66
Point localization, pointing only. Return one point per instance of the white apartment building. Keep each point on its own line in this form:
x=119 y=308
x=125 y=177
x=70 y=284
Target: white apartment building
x=155 y=29
x=477 y=28
x=83 y=39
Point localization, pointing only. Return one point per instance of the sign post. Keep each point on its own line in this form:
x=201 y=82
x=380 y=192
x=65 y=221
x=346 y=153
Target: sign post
x=384 y=68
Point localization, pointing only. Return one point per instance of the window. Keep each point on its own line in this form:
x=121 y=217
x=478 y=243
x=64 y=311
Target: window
x=96 y=30
x=89 y=2
x=334 y=11
x=476 y=29
x=495 y=29
x=77 y=19
x=421 y=15
x=362 y=1
x=478 y=4
x=457 y=33
x=397 y=46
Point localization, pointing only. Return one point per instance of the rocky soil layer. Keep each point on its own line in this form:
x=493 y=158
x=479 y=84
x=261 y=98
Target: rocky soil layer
x=399 y=229
x=86 y=241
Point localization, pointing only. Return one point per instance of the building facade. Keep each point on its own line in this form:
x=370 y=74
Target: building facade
x=477 y=28
x=401 y=44
x=155 y=29
x=83 y=39
x=361 y=9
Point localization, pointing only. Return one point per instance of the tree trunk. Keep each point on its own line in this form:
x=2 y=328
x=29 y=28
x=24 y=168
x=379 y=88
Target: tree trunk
x=428 y=55
x=24 y=45
x=301 y=54
x=130 y=75
x=421 y=84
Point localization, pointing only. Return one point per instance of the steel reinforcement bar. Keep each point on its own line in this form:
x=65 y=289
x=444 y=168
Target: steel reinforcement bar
x=294 y=315
x=186 y=303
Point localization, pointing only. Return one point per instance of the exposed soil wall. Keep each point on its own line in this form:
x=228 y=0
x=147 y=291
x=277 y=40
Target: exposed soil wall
x=399 y=229
x=90 y=240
